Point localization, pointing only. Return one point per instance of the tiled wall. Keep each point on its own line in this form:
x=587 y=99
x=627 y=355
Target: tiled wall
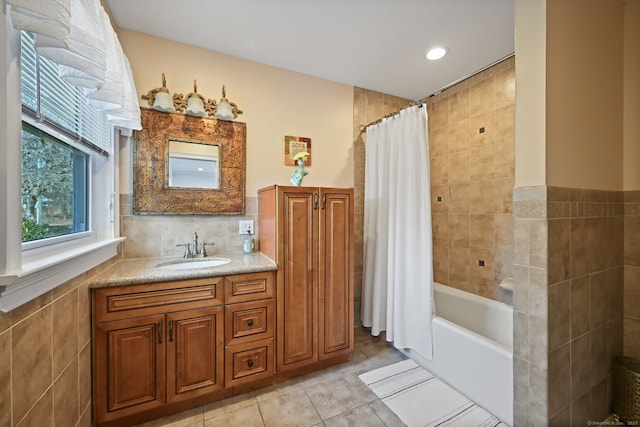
x=632 y=274
x=368 y=106
x=158 y=235
x=45 y=358
x=568 y=301
x=472 y=142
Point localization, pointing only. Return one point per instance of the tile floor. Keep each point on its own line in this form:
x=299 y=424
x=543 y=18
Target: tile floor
x=333 y=397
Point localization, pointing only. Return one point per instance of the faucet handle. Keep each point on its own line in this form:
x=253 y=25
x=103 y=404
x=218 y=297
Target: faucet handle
x=204 y=252
x=187 y=250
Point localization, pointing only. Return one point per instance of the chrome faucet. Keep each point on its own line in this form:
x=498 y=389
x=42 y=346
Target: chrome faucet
x=197 y=250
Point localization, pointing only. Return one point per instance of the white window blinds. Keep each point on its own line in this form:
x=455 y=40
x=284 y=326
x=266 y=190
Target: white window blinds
x=49 y=99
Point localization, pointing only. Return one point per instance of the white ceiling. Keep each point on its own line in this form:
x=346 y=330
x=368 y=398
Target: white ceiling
x=373 y=44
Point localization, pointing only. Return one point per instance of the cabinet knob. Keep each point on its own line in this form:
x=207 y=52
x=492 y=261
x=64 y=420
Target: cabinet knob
x=250 y=322
x=250 y=363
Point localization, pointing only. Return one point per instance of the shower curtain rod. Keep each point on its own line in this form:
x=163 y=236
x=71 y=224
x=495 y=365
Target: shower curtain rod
x=424 y=99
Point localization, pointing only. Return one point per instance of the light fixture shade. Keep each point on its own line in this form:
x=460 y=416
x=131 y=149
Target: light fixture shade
x=195 y=107
x=164 y=102
x=224 y=111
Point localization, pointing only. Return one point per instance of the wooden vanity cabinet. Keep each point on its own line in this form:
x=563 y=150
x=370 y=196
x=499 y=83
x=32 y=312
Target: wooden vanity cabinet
x=156 y=345
x=308 y=231
x=249 y=328
x=165 y=347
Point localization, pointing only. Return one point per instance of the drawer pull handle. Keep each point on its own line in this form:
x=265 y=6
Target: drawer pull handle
x=160 y=333
x=250 y=322
x=250 y=363
x=171 y=331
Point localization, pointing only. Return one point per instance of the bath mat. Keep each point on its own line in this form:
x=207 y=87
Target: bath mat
x=420 y=399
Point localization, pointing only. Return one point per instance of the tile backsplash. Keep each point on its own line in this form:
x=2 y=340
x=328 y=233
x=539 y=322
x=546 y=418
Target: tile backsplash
x=158 y=235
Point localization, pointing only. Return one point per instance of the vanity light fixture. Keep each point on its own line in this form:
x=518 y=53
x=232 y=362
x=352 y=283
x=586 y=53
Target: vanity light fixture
x=160 y=99
x=436 y=53
x=195 y=103
x=226 y=110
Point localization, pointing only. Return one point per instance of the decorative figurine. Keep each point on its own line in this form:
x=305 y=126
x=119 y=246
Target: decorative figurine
x=298 y=174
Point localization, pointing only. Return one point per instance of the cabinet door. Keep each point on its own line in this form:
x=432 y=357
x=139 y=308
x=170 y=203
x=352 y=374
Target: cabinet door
x=336 y=272
x=195 y=351
x=297 y=280
x=129 y=365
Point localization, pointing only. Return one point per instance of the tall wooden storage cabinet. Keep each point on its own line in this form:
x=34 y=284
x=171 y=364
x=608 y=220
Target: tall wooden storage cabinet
x=308 y=231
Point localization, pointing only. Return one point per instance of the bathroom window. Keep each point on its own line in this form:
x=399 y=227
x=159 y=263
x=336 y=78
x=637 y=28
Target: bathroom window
x=73 y=217
x=54 y=187
x=62 y=137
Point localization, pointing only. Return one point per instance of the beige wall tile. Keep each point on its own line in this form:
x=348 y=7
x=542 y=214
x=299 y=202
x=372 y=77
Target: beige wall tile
x=459 y=229
x=505 y=124
x=458 y=138
x=440 y=198
x=32 y=360
x=459 y=167
x=438 y=114
x=440 y=226
x=580 y=369
x=65 y=396
x=41 y=415
x=580 y=306
x=559 y=378
x=481 y=163
x=504 y=159
x=65 y=331
x=505 y=83
x=459 y=198
x=439 y=142
x=482 y=97
x=482 y=129
x=559 y=241
x=459 y=106
x=5 y=378
x=84 y=377
x=631 y=337
x=439 y=169
x=600 y=365
x=632 y=292
x=559 y=315
x=481 y=198
x=481 y=230
x=631 y=241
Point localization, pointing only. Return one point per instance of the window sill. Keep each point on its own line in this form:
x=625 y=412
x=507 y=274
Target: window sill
x=40 y=276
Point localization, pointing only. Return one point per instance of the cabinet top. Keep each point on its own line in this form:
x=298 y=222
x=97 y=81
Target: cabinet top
x=139 y=271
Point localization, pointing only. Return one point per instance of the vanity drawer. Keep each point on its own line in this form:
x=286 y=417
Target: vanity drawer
x=141 y=300
x=249 y=321
x=249 y=287
x=249 y=362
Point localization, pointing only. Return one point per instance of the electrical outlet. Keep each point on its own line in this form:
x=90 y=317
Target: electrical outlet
x=246 y=227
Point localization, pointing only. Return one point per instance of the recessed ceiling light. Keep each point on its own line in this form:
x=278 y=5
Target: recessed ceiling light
x=436 y=53
x=200 y=169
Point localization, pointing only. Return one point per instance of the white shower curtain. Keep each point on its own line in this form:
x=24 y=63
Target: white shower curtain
x=397 y=295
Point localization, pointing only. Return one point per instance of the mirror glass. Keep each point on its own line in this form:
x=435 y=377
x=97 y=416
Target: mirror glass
x=193 y=164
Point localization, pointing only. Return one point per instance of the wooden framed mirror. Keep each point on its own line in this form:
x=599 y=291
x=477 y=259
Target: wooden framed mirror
x=187 y=165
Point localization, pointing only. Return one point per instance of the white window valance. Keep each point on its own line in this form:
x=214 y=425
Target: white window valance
x=77 y=35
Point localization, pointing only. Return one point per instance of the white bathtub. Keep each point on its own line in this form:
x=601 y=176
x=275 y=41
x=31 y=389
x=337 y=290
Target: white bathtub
x=473 y=348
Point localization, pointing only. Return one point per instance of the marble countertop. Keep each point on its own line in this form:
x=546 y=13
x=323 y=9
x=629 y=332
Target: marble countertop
x=145 y=270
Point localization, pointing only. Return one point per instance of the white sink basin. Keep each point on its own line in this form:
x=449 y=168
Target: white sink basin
x=195 y=263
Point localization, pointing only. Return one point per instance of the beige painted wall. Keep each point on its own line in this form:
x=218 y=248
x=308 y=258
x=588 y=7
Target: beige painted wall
x=275 y=102
x=584 y=94
x=530 y=21
x=631 y=121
